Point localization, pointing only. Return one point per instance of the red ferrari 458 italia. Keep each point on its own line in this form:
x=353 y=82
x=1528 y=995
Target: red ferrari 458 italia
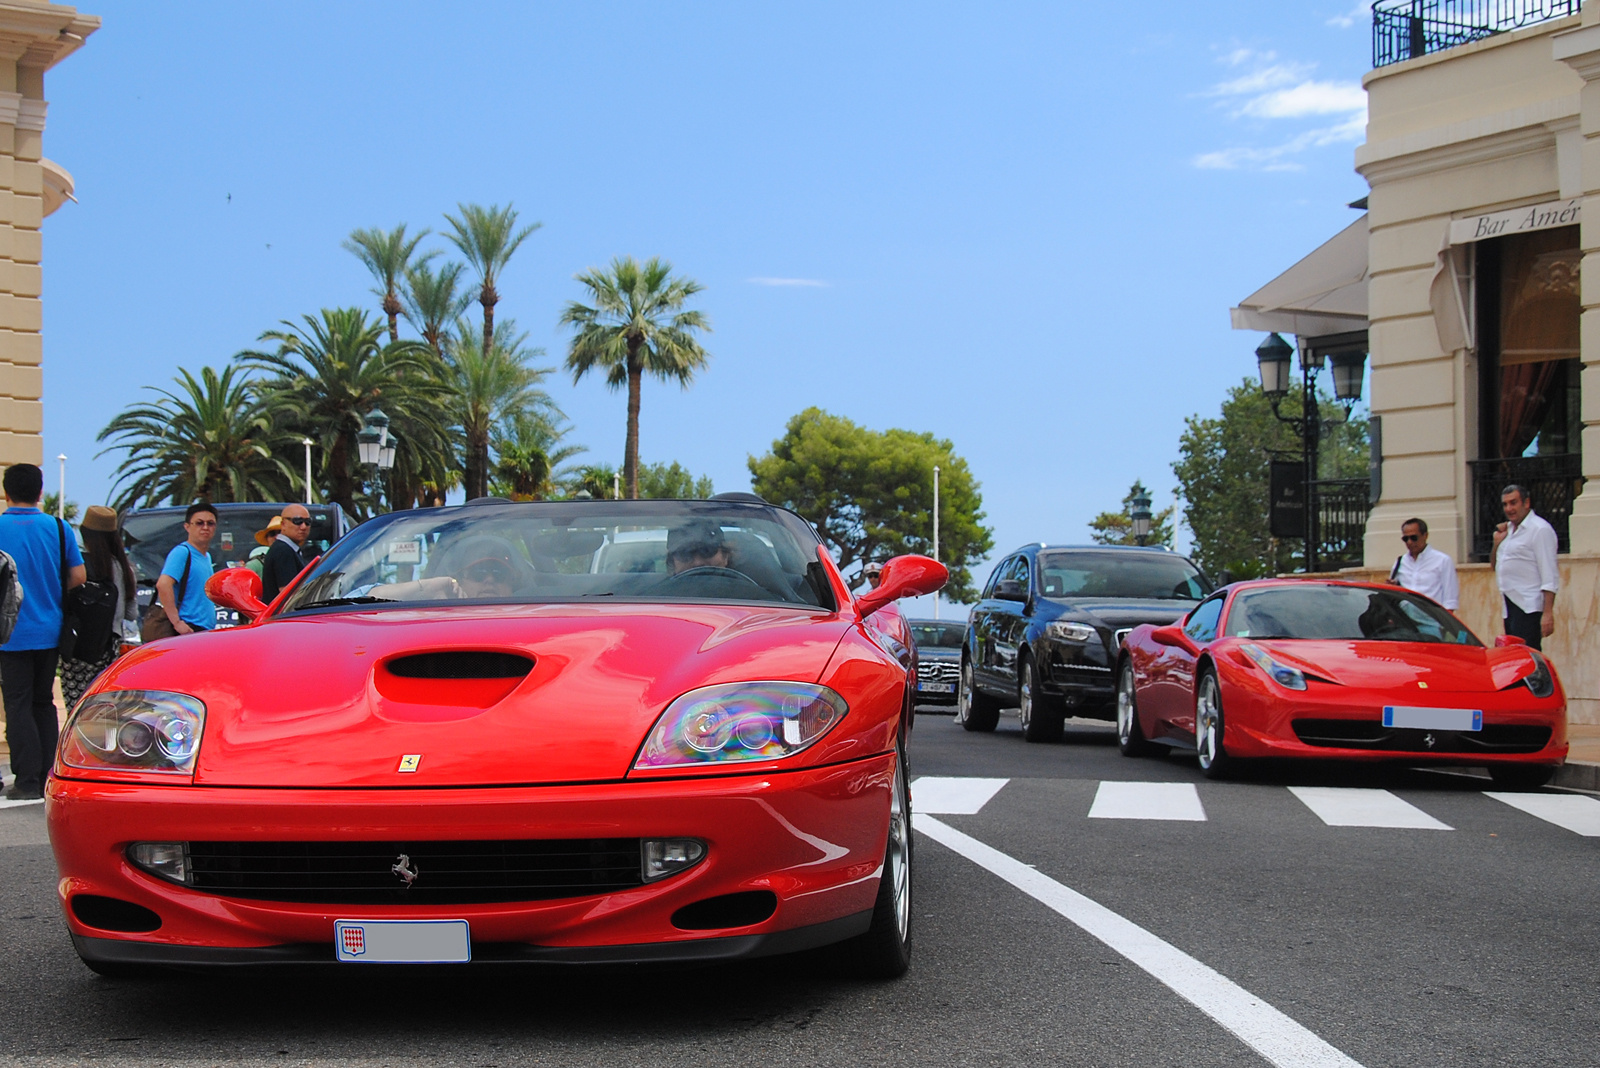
x=1342 y=670
x=607 y=731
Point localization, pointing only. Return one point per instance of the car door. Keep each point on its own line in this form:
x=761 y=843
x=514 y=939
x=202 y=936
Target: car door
x=1005 y=623
x=980 y=625
x=1201 y=628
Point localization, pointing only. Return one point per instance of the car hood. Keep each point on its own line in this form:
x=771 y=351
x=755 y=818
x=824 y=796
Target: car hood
x=309 y=701
x=1424 y=668
x=1119 y=614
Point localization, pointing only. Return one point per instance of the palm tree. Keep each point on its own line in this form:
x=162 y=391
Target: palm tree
x=488 y=386
x=636 y=324
x=387 y=254
x=333 y=369
x=433 y=301
x=487 y=237
x=596 y=480
x=529 y=453
x=218 y=437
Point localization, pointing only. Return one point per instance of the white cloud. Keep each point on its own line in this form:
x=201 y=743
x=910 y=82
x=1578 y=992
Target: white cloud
x=1360 y=13
x=817 y=282
x=1308 y=98
x=1278 y=157
x=1277 y=90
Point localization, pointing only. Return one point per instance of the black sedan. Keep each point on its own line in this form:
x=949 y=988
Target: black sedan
x=938 y=658
x=1045 y=636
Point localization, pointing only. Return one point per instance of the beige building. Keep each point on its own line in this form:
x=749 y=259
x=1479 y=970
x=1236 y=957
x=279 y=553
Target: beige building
x=34 y=36
x=1476 y=274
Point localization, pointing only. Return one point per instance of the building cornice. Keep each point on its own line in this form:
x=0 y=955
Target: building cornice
x=1529 y=128
x=42 y=35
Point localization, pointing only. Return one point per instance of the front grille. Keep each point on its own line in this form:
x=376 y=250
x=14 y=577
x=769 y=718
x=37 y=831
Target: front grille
x=447 y=873
x=1121 y=636
x=938 y=671
x=1372 y=734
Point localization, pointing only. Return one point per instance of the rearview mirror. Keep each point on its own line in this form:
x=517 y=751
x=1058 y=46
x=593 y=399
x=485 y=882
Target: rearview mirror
x=237 y=588
x=1505 y=641
x=903 y=576
x=1172 y=635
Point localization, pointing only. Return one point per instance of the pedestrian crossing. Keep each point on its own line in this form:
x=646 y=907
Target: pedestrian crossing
x=1335 y=806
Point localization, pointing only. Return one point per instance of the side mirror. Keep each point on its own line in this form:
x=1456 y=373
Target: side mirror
x=1171 y=635
x=1506 y=641
x=1010 y=590
x=903 y=576
x=237 y=588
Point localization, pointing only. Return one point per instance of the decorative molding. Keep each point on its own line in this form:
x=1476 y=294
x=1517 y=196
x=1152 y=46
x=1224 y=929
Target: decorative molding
x=10 y=108
x=30 y=114
x=1580 y=50
x=1413 y=155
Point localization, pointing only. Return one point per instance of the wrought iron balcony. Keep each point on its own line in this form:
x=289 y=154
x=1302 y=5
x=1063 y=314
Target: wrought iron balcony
x=1406 y=29
x=1552 y=481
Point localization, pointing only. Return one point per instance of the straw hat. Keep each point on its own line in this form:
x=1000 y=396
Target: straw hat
x=274 y=527
x=100 y=518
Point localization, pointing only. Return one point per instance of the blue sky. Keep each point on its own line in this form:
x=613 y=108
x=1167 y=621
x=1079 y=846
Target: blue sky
x=1019 y=226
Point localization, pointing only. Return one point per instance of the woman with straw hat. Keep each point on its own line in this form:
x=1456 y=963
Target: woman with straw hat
x=106 y=561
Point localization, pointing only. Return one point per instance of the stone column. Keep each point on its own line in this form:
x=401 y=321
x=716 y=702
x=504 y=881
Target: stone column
x=21 y=346
x=1580 y=50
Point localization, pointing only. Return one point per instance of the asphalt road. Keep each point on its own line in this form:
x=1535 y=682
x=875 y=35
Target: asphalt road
x=1470 y=938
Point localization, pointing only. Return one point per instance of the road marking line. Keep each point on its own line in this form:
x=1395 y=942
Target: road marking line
x=1263 y=1028
x=1578 y=814
x=1343 y=806
x=951 y=796
x=1147 y=801
x=18 y=804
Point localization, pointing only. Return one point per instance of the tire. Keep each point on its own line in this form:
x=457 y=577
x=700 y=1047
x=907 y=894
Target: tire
x=1520 y=777
x=884 y=951
x=974 y=711
x=1040 y=716
x=1209 y=729
x=1130 y=737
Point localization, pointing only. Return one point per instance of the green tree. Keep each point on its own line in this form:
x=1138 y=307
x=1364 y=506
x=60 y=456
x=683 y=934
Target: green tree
x=1222 y=474
x=529 y=455
x=674 y=481
x=433 y=300
x=331 y=370
x=387 y=254
x=870 y=494
x=1116 y=528
x=49 y=503
x=218 y=437
x=636 y=323
x=487 y=237
x=597 y=480
x=487 y=387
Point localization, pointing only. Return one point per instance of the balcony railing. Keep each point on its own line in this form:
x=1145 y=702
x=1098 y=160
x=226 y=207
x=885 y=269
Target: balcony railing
x=1406 y=29
x=1342 y=508
x=1552 y=481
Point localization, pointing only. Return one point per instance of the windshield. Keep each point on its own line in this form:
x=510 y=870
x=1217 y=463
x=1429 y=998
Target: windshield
x=1120 y=576
x=938 y=635
x=1351 y=613
x=150 y=536
x=573 y=551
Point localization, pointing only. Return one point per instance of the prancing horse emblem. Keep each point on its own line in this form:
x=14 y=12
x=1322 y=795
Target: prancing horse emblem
x=1427 y=739
x=405 y=870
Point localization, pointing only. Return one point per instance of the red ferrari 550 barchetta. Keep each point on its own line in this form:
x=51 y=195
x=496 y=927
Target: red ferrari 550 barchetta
x=608 y=731
x=1340 y=670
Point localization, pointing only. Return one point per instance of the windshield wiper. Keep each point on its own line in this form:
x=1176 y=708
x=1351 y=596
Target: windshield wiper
x=328 y=602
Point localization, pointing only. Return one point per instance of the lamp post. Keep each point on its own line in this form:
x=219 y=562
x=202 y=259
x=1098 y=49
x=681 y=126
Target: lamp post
x=307 y=442
x=374 y=444
x=1349 y=365
x=1141 y=514
x=61 y=489
x=936 y=533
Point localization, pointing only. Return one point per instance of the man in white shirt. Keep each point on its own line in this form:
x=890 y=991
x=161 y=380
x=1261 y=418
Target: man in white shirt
x=1429 y=572
x=1524 y=559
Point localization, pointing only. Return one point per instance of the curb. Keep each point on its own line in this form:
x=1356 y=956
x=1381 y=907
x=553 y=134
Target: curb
x=1578 y=776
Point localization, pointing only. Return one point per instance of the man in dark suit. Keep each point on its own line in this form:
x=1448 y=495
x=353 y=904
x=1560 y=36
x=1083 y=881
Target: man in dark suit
x=283 y=561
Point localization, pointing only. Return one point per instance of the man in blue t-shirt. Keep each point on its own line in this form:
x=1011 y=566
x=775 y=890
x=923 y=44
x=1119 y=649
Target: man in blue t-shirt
x=28 y=661
x=181 y=589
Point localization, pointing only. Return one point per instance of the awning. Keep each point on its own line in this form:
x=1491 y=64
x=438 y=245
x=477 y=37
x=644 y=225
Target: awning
x=1325 y=293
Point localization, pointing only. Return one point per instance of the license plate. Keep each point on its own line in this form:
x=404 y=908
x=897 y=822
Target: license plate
x=1433 y=719
x=402 y=941
x=936 y=687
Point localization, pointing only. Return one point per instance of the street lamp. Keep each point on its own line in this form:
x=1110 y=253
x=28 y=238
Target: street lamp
x=1272 y=357
x=307 y=442
x=386 y=453
x=1348 y=370
x=1141 y=514
x=369 y=444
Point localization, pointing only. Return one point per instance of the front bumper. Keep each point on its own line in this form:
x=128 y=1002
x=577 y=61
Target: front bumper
x=813 y=837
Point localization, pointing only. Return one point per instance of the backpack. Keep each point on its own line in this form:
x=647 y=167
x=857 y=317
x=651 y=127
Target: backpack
x=90 y=611
x=10 y=596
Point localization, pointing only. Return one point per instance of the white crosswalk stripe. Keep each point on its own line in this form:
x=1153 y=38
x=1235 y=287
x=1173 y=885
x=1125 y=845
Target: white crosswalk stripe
x=1578 y=814
x=951 y=796
x=1147 y=801
x=1340 y=806
x=19 y=804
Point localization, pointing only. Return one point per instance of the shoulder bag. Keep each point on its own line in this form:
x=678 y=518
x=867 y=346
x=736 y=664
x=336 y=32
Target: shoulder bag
x=156 y=624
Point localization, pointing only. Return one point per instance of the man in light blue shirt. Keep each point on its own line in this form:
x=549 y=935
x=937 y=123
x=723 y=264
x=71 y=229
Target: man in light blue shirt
x=38 y=543
x=181 y=589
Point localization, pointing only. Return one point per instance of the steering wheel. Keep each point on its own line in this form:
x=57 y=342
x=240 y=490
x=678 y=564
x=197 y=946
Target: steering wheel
x=709 y=571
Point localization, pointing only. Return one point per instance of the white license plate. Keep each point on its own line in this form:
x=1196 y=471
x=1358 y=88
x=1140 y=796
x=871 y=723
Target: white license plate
x=1433 y=719
x=936 y=687
x=402 y=941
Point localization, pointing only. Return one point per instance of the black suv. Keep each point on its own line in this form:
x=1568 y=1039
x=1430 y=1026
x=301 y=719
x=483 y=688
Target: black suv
x=1045 y=636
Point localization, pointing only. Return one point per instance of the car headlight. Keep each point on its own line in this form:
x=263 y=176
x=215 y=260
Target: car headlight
x=741 y=721
x=1282 y=674
x=1541 y=683
x=1065 y=631
x=135 y=730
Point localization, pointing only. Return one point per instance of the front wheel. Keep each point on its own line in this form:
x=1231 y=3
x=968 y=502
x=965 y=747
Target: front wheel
x=974 y=711
x=1520 y=777
x=1209 y=729
x=1130 y=736
x=1041 y=718
x=884 y=952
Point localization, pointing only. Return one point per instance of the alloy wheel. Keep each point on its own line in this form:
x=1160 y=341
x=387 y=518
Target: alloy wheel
x=1125 y=706
x=899 y=856
x=1208 y=724
x=964 y=693
x=1025 y=695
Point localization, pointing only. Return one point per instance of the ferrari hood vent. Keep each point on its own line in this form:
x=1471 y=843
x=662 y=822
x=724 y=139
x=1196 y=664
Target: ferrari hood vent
x=458 y=664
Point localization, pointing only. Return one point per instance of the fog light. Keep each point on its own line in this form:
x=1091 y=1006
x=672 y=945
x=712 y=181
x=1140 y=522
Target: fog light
x=668 y=856
x=168 y=860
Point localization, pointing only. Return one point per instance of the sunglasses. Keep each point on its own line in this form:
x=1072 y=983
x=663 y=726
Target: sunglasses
x=1411 y=537
x=202 y=522
x=488 y=572
x=299 y=521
